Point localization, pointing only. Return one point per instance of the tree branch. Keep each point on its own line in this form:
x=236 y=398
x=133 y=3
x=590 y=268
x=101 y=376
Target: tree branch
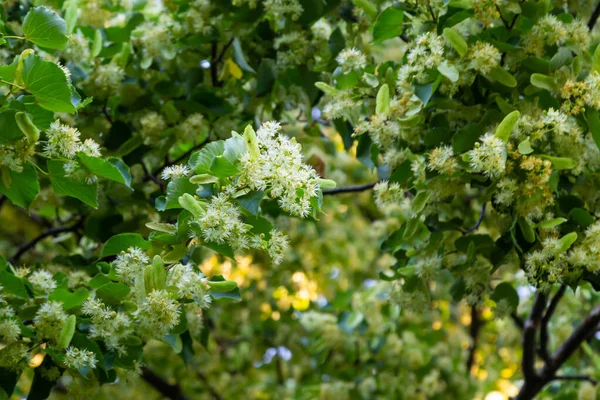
x=47 y=233
x=474 y=330
x=172 y=392
x=349 y=189
x=479 y=221
x=529 y=333
x=546 y=319
x=594 y=17
x=575 y=378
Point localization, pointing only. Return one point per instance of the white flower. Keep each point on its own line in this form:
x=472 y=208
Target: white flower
x=42 y=281
x=90 y=148
x=50 y=319
x=351 y=59
x=489 y=157
x=63 y=141
x=77 y=359
x=129 y=263
x=157 y=315
x=175 y=171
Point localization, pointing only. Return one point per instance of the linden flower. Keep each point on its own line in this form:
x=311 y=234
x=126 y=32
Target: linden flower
x=9 y=331
x=110 y=326
x=129 y=263
x=189 y=283
x=50 y=319
x=63 y=141
x=351 y=59
x=175 y=171
x=489 y=156
x=484 y=57
x=78 y=359
x=157 y=315
x=42 y=281
x=441 y=159
x=278 y=170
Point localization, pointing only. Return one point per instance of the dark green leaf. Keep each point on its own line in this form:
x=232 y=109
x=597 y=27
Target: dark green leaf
x=388 y=24
x=45 y=28
x=70 y=187
x=122 y=242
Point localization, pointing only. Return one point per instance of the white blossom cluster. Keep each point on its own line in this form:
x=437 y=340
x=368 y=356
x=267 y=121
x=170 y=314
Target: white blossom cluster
x=9 y=327
x=130 y=263
x=79 y=359
x=489 y=156
x=157 y=315
x=190 y=284
x=49 y=320
x=278 y=170
x=108 y=325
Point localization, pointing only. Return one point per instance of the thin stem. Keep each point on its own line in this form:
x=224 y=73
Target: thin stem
x=575 y=378
x=47 y=233
x=11 y=84
x=529 y=333
x=479 y=221
x=172 y=392
x=546 y=319
x=474 y=330
x=594 y=17
x=349 y=189
x=13 y=37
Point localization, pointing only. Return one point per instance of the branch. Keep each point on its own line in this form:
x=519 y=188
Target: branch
x=349 y=189
x=212 y=390
x=579 y=335
x=474 y=330
x=594 y=17
x=47 y=233
x=479 y=221
x=2 y=200
x=172 y=392
x=529 y=333
x=575 y=378
x=546 y=319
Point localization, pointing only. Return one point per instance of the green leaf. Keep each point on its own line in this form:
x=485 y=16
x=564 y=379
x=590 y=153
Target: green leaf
x=106 y=169
x=66 y=333
x=251 y=201
x=201 y=160
x=466 y=138
x=507 y=292
x=11 y=284
x=112 y=293
x=449 y=71
x=582 y=217
x=48 y=83
x=502 y=76
x=551 y=223
x=596 y=60
x=560 y=163
x=388 y=25
x=544 y=82
x=267 y=74
x=226 y=297
x=593 y=120
x=24 y=188
x=525 y=147
x=420 y=201
x=456 y=40
x=562 y=57
x=223 y=168
x=565 y=242
x=69 y=299
x=8 y=381
x=367 y=6
x=122 y=242
x=507 y=126
x=527 y=230
x=10 y=131
x=177 y=188
x=382 y=105
x=240 y=59
x=45 y=28
x=70 y=187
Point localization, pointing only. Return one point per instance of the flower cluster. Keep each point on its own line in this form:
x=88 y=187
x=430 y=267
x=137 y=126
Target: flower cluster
x=129 y=264
x=351 y=59
x=113 y=327
x=49 y=320
x=79 y=359
x=189 y=284
x=277 y=169
x=489 y=156
x=157 y=315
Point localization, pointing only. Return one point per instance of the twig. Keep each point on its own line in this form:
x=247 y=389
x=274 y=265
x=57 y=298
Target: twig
x=212 y=390
x=222 y=54
x=594 y=17
x=546 y=319
x=349 y=189
x=49 y=232
x=474 y=330
x=575 y=378
x=2 y=200
x=479 y=220
x=529 y=333
x=153 y=178
x=168 y=390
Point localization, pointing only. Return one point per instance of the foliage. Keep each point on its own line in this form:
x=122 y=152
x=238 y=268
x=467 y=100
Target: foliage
x=147 y=240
